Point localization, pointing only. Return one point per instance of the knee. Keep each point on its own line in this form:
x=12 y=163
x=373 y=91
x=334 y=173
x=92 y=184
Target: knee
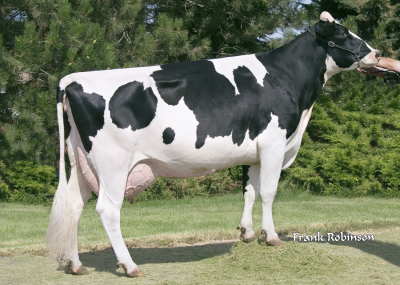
x=108 y=213
x=268 y=197
x=100 y=208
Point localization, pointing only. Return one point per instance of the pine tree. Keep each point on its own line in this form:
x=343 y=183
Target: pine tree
x=12 y=17
x=43 y=40
x=232 y=27
x=56 y=41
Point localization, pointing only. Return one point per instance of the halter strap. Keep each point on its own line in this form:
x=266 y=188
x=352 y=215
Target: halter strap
x=333 y=45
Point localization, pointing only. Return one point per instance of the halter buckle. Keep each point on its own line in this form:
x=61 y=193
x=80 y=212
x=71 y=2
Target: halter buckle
x=331 y=44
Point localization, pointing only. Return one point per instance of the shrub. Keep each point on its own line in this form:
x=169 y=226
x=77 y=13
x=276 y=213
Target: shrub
x=4 y=191
x=350 y=147
x=218 y=183
x=28 y=182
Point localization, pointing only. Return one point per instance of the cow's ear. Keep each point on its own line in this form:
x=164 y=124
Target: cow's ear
x=325 y=29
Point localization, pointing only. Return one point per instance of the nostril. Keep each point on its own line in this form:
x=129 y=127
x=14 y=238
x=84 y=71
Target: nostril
x=377 y=54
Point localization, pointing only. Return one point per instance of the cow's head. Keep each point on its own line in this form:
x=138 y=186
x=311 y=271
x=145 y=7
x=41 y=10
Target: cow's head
x=345 y=49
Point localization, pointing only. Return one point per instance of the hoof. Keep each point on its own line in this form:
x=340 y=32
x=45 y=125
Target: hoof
x=243 y=237
x=275 y=242
x=80 y=271
x=250 y=239
x=136 y=273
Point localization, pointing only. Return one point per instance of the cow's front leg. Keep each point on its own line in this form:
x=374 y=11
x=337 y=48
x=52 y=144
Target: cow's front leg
x=272 y=146
x=251 y=190
x=109 y=207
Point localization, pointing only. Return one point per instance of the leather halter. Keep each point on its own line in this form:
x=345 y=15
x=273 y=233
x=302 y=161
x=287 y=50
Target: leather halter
x=333 y=45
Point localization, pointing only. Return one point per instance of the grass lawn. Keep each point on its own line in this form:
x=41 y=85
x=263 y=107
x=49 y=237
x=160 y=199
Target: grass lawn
x=23 y=227
x=195 y=242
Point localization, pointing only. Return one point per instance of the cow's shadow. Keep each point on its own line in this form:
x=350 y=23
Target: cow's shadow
x=387 y=251
x=105 y=260
x=384 y=250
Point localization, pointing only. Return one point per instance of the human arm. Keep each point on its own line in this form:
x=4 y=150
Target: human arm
x=389 y=63
x=387 y=68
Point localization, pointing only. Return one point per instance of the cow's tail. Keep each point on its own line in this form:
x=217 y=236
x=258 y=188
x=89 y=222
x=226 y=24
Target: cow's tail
x=62 y=232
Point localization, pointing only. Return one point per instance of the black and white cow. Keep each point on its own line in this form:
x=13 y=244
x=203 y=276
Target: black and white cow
x=125 y=127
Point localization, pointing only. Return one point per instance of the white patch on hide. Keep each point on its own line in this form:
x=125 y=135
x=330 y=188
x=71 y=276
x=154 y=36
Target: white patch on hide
x=272 y=137
x=332 y=68
x=181 y=158
x=106 y=82
x=354 y=35
x=294 y=142
x=227 y=65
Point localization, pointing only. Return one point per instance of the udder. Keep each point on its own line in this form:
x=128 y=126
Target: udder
x=139 y=178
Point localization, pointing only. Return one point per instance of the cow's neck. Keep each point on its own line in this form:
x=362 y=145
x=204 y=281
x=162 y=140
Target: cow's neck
x=302 y=64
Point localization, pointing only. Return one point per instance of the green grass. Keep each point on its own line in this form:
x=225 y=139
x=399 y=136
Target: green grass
x=373 y=262
x=158 y=234
x=23 y=227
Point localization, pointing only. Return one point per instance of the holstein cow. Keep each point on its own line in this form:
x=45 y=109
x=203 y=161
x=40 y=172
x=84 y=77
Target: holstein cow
x=125 y=127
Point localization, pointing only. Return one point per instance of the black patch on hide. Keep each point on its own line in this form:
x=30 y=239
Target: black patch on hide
x=132 y=105
x=168 y=136
x=219 y=111
x=245 y=170
x=87 y=111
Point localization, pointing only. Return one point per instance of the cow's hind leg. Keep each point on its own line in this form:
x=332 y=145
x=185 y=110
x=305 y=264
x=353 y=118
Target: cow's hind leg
x=251 y=190
x=108 y=206
x=79 y=192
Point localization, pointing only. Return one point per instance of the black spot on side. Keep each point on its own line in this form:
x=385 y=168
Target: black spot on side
x=168 y=135
x=87 y=111
x=132 y=105
x=245 y=170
